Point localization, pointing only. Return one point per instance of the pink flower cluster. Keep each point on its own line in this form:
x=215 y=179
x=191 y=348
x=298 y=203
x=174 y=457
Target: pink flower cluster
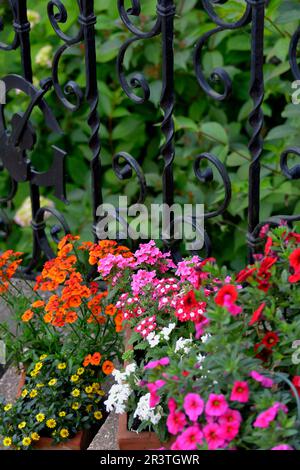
x=141 y=279
x=146 y=326
x=105 y=265
x=187 y=308
x=129 y=306
x=164 y=291
x=221 y=428
x=148 y=253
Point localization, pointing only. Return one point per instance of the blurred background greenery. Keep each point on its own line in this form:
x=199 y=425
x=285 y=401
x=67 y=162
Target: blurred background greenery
x=202 y=124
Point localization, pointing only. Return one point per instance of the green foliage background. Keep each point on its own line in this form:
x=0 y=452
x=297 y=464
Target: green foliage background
x=201 y=123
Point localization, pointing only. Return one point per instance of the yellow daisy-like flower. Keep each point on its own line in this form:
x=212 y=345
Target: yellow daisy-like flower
x=22 y=425
x=76 y=406
x=96 y=386
x=40 y=385
x=33 y=393
x=35 y=436
x=43 y=356
x=80 y=371
x=62 y=366
x=34 y=373
x=52 y=382
x=24 y=393
x=62 y=414
x=101 y=393
x=89 y=389
x=64 y=433
x=38 y=366
x=75 y=392
x=7 y=442
x=98 y=415
x=74 y=378
x=26 y=441
x=40 y=417
x=51 y=423
x=89 y=408
x=8 y=407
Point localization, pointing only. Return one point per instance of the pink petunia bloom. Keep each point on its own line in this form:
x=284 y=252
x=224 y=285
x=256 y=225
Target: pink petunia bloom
x=214 y=436
x=265 y=418
x=154 y=397
x=176 y=422
x=240 y=392
x=231 y=416
x=200 y=327
x=229 y=430
x=190 y=438
x=231 y=307
x=160 y=362
x=216 y=405
x=193 y=406
x=282 y=447
x=176 y=445
x=265 y=381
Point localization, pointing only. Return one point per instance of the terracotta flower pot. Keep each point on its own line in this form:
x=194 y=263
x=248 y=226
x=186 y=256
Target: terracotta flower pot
x=80 y=441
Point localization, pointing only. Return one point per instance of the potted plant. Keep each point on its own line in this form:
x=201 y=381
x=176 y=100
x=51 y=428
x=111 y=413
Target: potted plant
x=232 y=382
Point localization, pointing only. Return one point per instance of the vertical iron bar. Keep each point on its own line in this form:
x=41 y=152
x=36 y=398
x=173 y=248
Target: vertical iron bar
x=166 y=11
x=256 y=118
x=88 y=20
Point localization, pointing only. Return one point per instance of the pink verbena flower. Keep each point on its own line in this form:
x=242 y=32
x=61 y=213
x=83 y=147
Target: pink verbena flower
x=193 y=406
x=190 y=438
x=214 y=436
x=265 y=381
x=148 y=253
x=146 y=326
x=240 y=392
x=186 y=271
x=141 y=279
x=216 y=405
x=106 y=264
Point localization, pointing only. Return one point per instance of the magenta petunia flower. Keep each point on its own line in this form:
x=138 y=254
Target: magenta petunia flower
x=193 y=406
x=190 y=438
x=229 y=430
x=282 y=447
x=176 y=422
x=265 y=418
x=265 y=381
x=216 y=405
x=214 y=436
x=160 y=362
x=231 y=416
x=240 y=392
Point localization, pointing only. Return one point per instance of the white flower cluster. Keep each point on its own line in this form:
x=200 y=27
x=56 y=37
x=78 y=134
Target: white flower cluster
x=154 y=339
x=121 y=391
x=183 y=345
x=145 y=413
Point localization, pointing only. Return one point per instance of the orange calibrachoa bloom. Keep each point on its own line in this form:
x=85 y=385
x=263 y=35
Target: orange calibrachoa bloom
x=27 y=316
x=105 y=247
x=107 y=367
x=119 y=321
x=110 y=310
x=38 y=304
x=9 y=263
x=93 y=360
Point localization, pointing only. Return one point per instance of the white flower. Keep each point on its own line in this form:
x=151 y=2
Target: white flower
x=145 y=413
x=23 y=215
x=117 y=398
x=200 y=358
x=205 y=338
x=153 y=339
x=182 y=345
x=43 y=57
x=130 y=369
x=166 y=331
x=121 y=377
x=33 y=17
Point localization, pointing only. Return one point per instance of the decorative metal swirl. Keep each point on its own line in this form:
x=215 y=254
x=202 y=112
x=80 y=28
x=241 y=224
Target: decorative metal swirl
x=218 y=74
x=15 y=42
x=294 y=172
x=207 y=176
x=71 y=88
x=124 y=165
x=137 y=80
x=293 y=56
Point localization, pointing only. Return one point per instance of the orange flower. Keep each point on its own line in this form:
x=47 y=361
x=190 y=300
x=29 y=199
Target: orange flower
x=38 y=304
x=74 y=301
x=87 y=360
x=71 y=317
x=110 y=310
x=48 y=317
x=119 y=321
x=95 y=359
x=27 y=316
x=107 y=367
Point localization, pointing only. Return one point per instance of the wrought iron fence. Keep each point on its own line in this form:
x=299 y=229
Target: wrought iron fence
x=17 y=144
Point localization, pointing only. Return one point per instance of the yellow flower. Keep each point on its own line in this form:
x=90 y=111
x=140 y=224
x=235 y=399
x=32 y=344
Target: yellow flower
x=34 y=373
x=80 y=371
x=52 y=382
x=7 y=442
x=40 y=417
x=89 y=408
x=101 y=393
x=74 y=378
x=43 y=356
x=98 y=414
x=51 y=423
x=33 y=393
x=89 y=389
x=64 y=433
x=8 y=407
x=75 y=392
x=38 y=366
x=22 y=425
x=26 y=441
x=62 y=366
x=35 y=436
x=62 y=414
x=76 y=406
x=24 y=393
x=40 y=385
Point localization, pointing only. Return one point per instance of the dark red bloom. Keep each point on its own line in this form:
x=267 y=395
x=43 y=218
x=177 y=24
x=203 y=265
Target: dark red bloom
x=262 y=353
x=245 y=274
x=270 y=340
x=257 y=314
x=294 y=259
x=189 y=300
x=296 y=383
x=227 y=293
x=266 y=264
x=268 y=245
x=293 y=236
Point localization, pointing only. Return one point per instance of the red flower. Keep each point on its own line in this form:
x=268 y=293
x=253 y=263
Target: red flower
x=189 y=300
x=257 y=314
x=293 y=236
x=296 y=383
x=244 y=274
x=263 y=354
x=268 y=245
x=270 y=340
x=294 y=259
x=266 y=264
x=227 y=293
x=294 y=278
